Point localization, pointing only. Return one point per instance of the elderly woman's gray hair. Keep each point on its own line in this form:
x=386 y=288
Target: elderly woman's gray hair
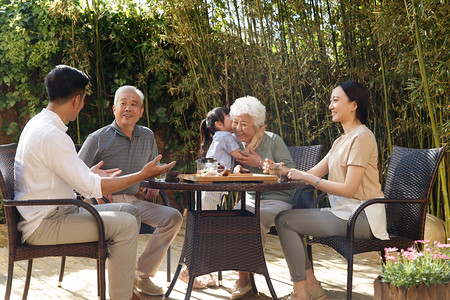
x=128 y=88
x=249 y=106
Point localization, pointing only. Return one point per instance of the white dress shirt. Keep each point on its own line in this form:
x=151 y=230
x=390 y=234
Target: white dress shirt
x=47 y=167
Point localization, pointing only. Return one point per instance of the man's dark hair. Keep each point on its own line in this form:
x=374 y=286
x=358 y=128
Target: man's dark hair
x=64 y=82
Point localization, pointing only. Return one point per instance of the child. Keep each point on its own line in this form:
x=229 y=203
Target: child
x=224 y=146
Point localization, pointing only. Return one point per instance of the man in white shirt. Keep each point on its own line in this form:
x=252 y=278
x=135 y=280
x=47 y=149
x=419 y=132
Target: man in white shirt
x=47 y=167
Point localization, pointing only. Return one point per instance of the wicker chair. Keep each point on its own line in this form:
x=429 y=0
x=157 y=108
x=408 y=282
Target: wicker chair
x=407 y=190
x=19 y=251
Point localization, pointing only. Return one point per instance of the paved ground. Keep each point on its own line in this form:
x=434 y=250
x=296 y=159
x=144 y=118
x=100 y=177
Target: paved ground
x=80 y=275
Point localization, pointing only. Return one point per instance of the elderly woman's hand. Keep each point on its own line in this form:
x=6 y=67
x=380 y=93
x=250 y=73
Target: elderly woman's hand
x=266 y=165
x=295 y=174
x=239 y=170
x=251 y=159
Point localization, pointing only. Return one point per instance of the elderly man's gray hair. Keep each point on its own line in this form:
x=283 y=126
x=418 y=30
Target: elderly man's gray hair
x=128 y=88
x=249 y=105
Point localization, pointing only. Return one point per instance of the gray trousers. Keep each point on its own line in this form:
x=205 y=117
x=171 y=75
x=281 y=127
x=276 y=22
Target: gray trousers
x=167 y=222
x=73 y=225
x=292 y=225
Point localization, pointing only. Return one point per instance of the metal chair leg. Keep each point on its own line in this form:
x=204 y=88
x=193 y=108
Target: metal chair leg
x=309 y=251
x=220 y=278
x=252 y=281
x=27 y=280
x=61 y=272
x=168 y=266
x=271 y=289
x=349 y=277
x=9 y=280
x=189 y=288
x=102 y=279
x=174 y=280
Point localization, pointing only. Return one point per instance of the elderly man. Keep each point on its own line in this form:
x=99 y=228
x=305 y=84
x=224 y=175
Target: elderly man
x=47 y=167
x=128 y=146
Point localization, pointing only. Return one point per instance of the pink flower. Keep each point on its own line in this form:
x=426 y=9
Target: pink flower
x=421 y=241
x=390 y=249
x=439 y=245
x=413 y=256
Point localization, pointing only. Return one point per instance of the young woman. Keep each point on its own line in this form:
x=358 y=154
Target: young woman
x=353 y=177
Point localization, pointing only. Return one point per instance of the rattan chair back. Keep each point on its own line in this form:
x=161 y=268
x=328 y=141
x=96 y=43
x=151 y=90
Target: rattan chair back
x=305 y=157
x=410 y=175
x=7 y=155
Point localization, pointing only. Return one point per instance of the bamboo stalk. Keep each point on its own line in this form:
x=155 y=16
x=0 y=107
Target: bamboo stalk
x=289 y=71
x=272 y=88
x=419 y=53
x=386 y=101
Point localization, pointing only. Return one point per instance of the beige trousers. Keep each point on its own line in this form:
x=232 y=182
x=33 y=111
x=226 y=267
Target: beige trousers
x=74 y=225
x=167 y=222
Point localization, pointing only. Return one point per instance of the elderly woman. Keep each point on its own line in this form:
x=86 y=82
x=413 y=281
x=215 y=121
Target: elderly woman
x=248 y=115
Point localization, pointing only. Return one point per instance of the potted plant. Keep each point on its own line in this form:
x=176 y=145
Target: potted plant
x=420 y=272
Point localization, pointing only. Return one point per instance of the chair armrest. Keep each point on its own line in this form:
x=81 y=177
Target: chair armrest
x=164 y=197
x=352 y=220
x=299 y=194
x=57 y=202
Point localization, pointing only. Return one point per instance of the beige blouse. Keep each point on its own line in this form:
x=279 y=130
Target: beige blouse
x=358 y=148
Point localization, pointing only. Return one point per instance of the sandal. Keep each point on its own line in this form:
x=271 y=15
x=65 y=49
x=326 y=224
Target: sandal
x=184 y=276
x=207 y=279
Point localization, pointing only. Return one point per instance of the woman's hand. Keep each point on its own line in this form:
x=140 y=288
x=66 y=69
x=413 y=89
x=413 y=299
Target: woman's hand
x=239 y=170
x=295 y=174
x=251 y=158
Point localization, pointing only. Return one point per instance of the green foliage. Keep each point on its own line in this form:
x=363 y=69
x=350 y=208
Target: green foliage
x=190 y=56
x=28 y=46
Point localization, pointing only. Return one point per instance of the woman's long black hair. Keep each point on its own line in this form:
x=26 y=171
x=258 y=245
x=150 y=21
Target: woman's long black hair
x=355 y=91
x=207 y=127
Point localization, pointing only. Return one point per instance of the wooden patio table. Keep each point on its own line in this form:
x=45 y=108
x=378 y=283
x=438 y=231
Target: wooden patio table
x=219 y=240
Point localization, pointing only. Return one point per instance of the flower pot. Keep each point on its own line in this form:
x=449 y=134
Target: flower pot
x=384 y=291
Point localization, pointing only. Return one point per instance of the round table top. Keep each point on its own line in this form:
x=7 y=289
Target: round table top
x=223 y=186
